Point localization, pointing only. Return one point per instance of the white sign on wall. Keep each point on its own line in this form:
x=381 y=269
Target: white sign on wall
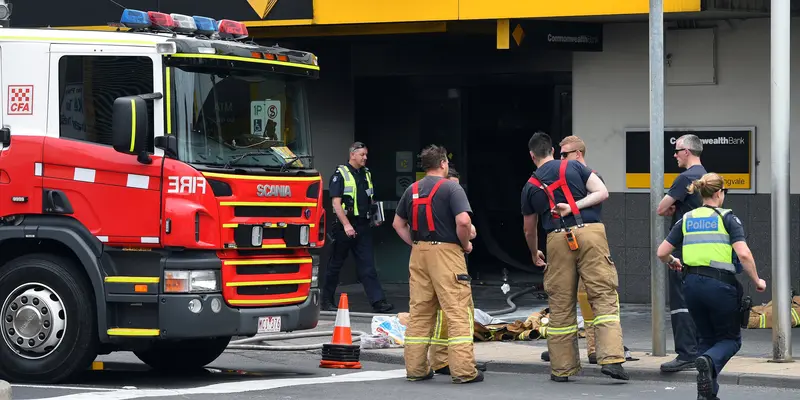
x=265 y=119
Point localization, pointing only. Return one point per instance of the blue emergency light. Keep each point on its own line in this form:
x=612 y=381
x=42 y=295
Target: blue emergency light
x=135 y=19
x=205 y=26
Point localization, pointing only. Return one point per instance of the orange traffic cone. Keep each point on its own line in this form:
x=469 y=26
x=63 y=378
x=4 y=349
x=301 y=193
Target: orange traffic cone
x=341 y=352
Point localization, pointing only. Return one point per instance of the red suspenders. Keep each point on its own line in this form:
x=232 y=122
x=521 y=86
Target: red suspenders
x=561 y=183
x=417 y=201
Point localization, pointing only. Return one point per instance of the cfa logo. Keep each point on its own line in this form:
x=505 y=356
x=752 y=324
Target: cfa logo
x=186 y=184
x=273 y=191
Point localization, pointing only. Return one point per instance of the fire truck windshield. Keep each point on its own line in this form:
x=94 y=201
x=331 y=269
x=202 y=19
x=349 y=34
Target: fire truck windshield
x=226 y=117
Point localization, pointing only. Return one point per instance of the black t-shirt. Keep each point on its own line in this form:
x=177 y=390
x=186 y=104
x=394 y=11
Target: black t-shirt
x=535 y=200
x=684 y=202
x=599 y=207
x=448 y=201
x=336 y=189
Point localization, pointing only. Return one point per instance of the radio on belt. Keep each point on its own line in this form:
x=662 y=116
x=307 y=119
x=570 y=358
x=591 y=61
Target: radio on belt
x=377 y=213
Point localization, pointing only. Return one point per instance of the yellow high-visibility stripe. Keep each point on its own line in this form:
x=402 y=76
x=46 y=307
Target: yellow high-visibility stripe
x=245 y=59
x=132 y=279
x=265 y=283
x=133 y=332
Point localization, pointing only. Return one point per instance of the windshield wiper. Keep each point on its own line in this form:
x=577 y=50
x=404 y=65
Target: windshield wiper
x=249 y=153
x=292 y=160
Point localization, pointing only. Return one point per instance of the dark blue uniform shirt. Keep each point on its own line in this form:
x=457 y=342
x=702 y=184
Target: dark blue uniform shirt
x=535 y=200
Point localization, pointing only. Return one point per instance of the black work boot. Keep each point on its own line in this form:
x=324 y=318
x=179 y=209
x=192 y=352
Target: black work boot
x=382 y=306
x=446 y=369
x=615 y=371
x=476 y=379
x=592 y=358
x=705 y=379
x=326 y=304
x=677 y=365
x=559 y=378
x=420 y=378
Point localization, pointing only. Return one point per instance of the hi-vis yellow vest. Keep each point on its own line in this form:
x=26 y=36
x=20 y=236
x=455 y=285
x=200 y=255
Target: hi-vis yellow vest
x=706 y=242
x=350 y=187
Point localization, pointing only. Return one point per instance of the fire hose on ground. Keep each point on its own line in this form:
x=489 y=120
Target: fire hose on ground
x=260 y=342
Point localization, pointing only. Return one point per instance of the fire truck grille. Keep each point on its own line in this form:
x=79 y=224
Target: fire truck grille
x=267 y=269
x=267 y=212
x=265 y=290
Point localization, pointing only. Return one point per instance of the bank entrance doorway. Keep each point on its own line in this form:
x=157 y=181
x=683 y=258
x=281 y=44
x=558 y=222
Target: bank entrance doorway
x=485 y=123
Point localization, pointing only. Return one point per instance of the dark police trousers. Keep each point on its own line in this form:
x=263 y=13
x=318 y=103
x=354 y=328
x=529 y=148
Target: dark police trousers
x=361 y=246
x=684 y=330
x=714 y=306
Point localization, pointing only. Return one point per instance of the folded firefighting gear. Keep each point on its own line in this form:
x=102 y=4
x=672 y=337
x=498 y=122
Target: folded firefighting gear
x=761 y=316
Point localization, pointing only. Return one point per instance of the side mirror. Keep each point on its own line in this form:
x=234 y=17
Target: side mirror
x=169 y=144
x=130 y=127
x=5 y=137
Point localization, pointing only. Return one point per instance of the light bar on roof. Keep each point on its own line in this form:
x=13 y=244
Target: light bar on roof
x=183 y=23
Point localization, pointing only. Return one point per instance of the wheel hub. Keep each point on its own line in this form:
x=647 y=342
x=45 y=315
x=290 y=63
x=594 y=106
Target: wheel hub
x=34 y=320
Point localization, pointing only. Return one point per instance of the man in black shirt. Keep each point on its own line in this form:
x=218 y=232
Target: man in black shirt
x=676 y=203
x=440 y=217
x=351 y=193
x=565 y=194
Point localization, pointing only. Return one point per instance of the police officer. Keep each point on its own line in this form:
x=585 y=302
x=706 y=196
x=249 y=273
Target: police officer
x=351 y=193
x=709 y=236
x=564 y=194
x=675 y=203
x=440 y=217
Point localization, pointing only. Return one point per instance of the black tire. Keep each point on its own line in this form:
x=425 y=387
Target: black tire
x=77 y=347
x=183 y=355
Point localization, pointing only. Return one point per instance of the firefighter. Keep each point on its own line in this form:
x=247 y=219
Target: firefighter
x=564 y=193
x=438 y=350
x=440 y=217
x=573 y=148
x=709 y=236
x=351 y=194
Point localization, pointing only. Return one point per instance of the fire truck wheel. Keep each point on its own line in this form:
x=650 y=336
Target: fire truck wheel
x=48 y=320
x=183 y=355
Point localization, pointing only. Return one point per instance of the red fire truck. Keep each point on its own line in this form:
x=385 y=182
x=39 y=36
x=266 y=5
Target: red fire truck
x=157 y=194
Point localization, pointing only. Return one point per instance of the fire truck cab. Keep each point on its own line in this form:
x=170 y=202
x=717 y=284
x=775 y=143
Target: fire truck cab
x=157 y=194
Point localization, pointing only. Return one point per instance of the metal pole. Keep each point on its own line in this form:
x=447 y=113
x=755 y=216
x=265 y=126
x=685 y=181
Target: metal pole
x=657 y=269
x=780 y=24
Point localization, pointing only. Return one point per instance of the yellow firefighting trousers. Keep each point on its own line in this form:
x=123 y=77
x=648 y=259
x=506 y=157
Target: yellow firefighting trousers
x=592 y=263
x=434 y=285
x=588 y=316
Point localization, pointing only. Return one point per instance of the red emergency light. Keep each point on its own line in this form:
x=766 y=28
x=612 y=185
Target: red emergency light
x=161 y=20
x=235 y=29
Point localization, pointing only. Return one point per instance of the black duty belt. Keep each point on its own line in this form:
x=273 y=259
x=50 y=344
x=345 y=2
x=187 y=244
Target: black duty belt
x=716 y=273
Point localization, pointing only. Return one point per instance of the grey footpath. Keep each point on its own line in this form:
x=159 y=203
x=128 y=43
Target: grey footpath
x=5 y=391
x=636 y=373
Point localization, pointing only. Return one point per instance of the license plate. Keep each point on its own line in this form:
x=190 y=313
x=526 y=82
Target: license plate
x=269 y=324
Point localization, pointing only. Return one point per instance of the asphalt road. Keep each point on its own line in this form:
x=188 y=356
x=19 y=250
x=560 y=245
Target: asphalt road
x=296 y=375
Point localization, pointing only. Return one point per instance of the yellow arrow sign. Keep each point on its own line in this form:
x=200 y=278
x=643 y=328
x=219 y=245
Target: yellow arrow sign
x=262 y=7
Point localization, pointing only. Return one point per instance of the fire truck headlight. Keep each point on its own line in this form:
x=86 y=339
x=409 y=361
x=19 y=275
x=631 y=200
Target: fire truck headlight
x=257 y=236
x=198 y=281
x=304 y=235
